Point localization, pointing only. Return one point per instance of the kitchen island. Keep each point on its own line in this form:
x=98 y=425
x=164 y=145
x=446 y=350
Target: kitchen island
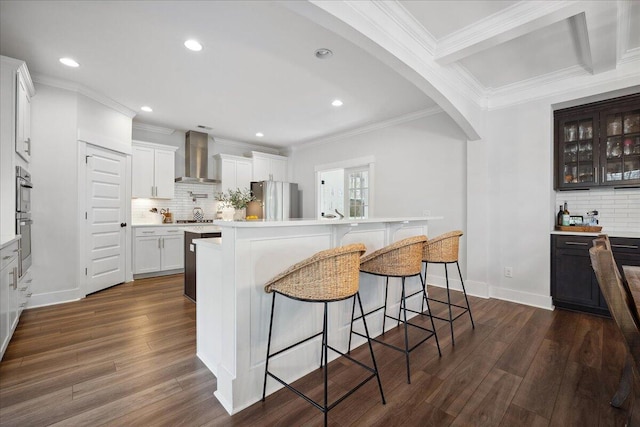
x=233 y=310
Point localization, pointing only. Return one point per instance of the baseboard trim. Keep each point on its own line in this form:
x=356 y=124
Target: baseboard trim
x=520 y=297
x=483 y=290
x=53 y=298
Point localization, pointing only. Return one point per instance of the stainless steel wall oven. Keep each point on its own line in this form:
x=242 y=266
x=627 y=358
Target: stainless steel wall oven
x=23 y=217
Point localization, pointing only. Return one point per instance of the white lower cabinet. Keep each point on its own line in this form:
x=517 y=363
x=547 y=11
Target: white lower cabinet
x=158 y=249
x=9 y=299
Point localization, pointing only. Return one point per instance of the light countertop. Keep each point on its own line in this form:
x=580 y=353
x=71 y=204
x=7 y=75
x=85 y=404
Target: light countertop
x=6 y=240
x=203 y=229
x=260 y=223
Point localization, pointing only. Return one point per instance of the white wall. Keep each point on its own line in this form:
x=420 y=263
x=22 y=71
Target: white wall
x=58 y=117
x=419 y=165
x=54 y=197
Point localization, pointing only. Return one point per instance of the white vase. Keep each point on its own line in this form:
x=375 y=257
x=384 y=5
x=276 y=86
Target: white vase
x=228 y=214
x=240 y=214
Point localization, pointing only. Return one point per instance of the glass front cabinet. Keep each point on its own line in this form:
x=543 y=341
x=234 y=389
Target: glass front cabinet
x=598 y=144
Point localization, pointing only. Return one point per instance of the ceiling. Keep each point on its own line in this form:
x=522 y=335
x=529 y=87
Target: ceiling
x=258 y=73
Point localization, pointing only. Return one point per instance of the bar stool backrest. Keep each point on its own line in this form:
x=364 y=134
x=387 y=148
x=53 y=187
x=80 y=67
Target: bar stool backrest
x=328 y=275
x=402 y=258
x=443 y=248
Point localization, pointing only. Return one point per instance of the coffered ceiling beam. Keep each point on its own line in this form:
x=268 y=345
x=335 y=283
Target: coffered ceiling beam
x=515 y=21
x=600 y=21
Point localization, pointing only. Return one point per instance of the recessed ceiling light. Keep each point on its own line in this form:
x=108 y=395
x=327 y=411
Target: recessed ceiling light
x=69 y=62
x=193 y=45
x=323 y=53
x=336 y=103
x=146 y=108
x=259 y=134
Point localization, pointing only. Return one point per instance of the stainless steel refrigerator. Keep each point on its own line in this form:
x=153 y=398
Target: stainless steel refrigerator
x=279 y=200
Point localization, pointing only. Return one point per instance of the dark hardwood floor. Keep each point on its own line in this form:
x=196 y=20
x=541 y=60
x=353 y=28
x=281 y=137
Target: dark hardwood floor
x=126 y=357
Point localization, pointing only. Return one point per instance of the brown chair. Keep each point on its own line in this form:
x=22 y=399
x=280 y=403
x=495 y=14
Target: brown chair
x=623 y=310
x=401 y=259
x=444 y=250
x=331 y=275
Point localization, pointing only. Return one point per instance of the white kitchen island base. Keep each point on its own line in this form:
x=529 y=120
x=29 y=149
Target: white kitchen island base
x=233 y=310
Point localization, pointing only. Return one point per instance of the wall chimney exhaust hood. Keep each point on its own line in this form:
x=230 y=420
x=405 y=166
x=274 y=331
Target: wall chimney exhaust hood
x=195 y=157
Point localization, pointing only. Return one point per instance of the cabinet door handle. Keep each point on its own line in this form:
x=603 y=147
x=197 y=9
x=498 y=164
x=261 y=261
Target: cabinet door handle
x=29 y=295
x=14 y=274
x=28 y=144
x=625 y=246
x=577 y=243
x=172 y=231
x=6 y=257
x=159 y=243
x=148 y=232
x=163 y=243
x=23 y=289
x=603 y=175
x=595 y=173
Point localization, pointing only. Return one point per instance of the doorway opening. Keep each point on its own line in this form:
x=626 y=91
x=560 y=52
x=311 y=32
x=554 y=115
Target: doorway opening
x=345 y=189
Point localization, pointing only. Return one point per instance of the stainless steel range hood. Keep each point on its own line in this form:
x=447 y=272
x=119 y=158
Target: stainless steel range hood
x=195 y=157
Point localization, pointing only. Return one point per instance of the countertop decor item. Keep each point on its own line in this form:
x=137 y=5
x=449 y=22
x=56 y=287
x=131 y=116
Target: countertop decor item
x=238 y=199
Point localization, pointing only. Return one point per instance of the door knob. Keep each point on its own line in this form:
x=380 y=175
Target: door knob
x=123 y=224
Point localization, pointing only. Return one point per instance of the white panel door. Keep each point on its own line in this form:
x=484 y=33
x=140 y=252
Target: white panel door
x=164 y=174
x=106 y=212
x=142 y=159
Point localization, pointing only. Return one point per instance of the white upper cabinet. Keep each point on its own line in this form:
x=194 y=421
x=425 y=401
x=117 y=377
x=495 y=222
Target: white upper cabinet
x=153 y=170
x=269 y=167
x=23 y=116
x=233 y=171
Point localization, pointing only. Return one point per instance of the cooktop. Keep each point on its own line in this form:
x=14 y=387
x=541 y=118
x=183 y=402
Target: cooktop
x=193 y=221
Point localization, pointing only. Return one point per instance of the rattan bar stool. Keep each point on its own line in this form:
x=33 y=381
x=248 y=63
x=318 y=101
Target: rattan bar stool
x=328 y=276
x=401 y=259
x=444 y=250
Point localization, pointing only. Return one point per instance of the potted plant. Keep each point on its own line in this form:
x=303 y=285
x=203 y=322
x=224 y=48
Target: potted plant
x=237 y=199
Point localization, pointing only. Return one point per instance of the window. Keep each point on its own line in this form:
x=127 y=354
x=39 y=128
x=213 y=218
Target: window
x=357 y=185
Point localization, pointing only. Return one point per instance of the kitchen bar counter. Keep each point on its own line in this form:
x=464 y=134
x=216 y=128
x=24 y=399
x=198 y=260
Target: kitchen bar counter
x=232 y=316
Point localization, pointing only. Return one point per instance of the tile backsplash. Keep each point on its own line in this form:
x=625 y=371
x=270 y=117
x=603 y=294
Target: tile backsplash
x=181 y=205
x=619 y=210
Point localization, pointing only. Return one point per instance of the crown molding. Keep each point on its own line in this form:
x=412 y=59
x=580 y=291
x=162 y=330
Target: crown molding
x=244 y=145
x=404 y=19
x=369 y=128
x=151 y=128
x=569 y=80
x=83 y=90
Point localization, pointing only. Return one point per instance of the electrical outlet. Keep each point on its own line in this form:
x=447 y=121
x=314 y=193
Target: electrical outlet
x=426 y=212
x=508 y=272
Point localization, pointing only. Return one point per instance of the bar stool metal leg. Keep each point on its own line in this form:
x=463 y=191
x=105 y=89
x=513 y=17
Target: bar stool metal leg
x=433 y=326
x=473 y=326
x=266 y=368
x=373 y=358
x=403 y=304
x=446 y=275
